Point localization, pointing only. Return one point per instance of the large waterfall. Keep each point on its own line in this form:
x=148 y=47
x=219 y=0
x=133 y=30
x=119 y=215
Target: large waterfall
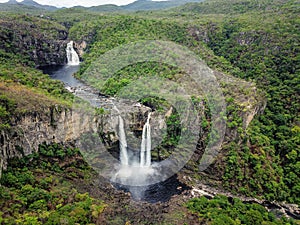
x=72 y=56
x=123 y=143
x=135 y=167
x=145 y=151
x=146 y=144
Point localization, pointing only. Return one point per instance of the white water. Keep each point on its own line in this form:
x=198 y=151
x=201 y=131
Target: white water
x=145 y=152
x=146 y=144
x=133 y=171
x=123 y=143
x=72 y=56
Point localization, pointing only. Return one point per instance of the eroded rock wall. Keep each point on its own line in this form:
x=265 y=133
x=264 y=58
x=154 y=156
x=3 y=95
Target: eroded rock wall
x=66 y=126
x=29 y=131
x=38 y=40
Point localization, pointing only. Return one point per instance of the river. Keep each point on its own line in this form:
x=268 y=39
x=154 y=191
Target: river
x=163 y=191
x=160 y=192
x=80 y=89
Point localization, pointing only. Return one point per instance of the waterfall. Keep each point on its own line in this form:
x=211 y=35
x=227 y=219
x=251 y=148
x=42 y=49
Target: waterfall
x=145 y=151
x=134 y=170
x=123 y=142
x=72 y=56
x=146 y=144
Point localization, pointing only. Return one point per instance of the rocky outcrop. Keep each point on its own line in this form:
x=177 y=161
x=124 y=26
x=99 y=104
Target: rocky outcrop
x=46 y=53
x=66 y=126
x=29 y=131
x=39 y=40
x=80 y=47
x=199 y=34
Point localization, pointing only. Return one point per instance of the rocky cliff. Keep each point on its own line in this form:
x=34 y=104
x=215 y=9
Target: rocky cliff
x=28 y=131
x=58 y=124
x=38 y=40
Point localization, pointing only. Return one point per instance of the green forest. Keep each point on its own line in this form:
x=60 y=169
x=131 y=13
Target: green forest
x=255 y=43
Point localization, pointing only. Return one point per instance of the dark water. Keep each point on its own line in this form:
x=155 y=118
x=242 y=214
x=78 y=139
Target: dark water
x=160 y=192
x=77 y=87
x=64 y=74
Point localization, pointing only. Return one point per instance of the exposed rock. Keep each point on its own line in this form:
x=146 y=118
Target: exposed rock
x=80 y=47
x=62 y=125
x=29 y=38
x=29 y=131
x=199 y=34
x=253 y=110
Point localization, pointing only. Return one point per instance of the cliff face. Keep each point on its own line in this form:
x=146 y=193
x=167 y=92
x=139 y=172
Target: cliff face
x=66 y=126
x=39 y=40
x=57 y=124
x=29 y=131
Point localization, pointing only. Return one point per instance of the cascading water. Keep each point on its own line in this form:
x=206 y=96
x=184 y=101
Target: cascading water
x=72 y=56
x=145 y=152
x=134 y=172
x=123 y=142
x=146 y=144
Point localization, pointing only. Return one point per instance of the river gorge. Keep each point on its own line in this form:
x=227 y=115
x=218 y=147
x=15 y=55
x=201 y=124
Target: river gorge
x=135 y=165
x=128 y=130
x=150 y=114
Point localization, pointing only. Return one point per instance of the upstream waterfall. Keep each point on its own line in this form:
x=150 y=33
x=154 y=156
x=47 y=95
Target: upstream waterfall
x=72 y=56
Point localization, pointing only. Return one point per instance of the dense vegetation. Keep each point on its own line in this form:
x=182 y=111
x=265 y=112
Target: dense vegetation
x=238 y=7
x=38 y=189
x=265 y=159
x=268 y=54
x=257 y=41
x=221 y=210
